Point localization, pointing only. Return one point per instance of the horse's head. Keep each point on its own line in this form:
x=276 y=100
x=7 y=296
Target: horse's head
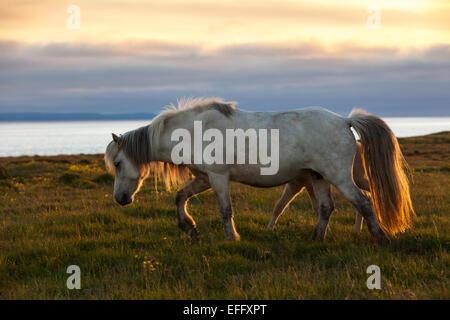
x=129 y=174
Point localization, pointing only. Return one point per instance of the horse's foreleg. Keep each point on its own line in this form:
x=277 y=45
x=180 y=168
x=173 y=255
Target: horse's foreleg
x=323 y=205
x=220 y=183
x=290 y=191
x=185 y=221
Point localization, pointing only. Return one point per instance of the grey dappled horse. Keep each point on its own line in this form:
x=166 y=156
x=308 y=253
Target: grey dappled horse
x=316 y=144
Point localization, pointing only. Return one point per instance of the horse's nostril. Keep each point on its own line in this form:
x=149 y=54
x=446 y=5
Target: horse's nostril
x=123 y=199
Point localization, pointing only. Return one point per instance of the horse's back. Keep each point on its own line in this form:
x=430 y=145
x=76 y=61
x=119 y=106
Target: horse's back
x=314 y=117
x=312 y=127
x=310 y=138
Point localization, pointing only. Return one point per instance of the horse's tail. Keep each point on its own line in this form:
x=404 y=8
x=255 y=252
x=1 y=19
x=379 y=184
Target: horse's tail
x=384 y=166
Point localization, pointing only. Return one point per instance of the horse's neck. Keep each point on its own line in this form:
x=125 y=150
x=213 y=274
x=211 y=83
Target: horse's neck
x=157 y=145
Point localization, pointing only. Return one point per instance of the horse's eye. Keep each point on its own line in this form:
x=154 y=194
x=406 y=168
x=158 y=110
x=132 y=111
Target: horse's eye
x=117 y=164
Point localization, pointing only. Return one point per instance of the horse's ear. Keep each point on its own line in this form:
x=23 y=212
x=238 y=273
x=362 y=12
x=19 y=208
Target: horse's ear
x=115 y=138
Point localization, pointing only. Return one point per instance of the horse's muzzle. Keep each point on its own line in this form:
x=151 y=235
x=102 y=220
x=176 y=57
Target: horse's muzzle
x=123 y=199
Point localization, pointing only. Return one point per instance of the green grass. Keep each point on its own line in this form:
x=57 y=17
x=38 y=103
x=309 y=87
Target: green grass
x=59 y=211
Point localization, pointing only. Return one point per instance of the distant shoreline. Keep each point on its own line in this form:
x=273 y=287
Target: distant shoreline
x=432 y=138
x=72 y=117
x=54 y=117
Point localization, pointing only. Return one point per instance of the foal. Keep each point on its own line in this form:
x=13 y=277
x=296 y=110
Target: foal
x=320 y=196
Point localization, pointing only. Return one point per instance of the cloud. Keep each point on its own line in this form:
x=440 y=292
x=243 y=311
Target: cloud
x=143 y=76
x=404 y=22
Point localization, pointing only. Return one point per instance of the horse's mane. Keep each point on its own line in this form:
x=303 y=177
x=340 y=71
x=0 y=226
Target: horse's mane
x=202 y=104
x=177 y=174
x=191 y=104
x=140 y=144
x=137 y=145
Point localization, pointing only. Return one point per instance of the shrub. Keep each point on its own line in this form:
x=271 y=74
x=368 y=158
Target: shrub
x=105 y=178
x=69 y=178
x=3 y=173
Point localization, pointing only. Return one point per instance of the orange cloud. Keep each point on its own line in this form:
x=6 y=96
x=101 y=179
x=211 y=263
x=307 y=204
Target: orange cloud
x=214 y=23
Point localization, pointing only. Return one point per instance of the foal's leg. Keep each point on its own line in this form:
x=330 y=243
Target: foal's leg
x=324 y=206
x=358 y=222
x=290 y=191
x=220 y=183
x=312 y=195
x=185 y=221
x=359 y=176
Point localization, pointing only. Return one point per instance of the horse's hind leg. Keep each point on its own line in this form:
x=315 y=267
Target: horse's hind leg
x=363 y=184
x=185 y=221
x=220 y=183
x=290 y=191
x=362 y=203
x=324 y=206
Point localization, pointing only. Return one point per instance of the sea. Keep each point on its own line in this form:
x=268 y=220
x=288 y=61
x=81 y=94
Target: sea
x=91 y=137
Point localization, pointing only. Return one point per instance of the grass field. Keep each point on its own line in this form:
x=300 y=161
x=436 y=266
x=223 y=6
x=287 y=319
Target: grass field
x=58 y=211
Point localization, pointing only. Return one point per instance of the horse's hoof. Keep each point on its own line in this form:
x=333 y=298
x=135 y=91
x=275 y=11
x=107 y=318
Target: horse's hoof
x=193 y=233
x=234 y=237
x=381 y=238
x=318 y=235
x=195 y=240
x=317 y=238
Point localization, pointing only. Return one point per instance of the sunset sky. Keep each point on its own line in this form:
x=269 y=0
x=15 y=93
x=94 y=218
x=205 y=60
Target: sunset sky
x=137 y=56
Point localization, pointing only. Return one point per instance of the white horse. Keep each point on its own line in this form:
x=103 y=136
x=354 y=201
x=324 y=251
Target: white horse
x=314 y=143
